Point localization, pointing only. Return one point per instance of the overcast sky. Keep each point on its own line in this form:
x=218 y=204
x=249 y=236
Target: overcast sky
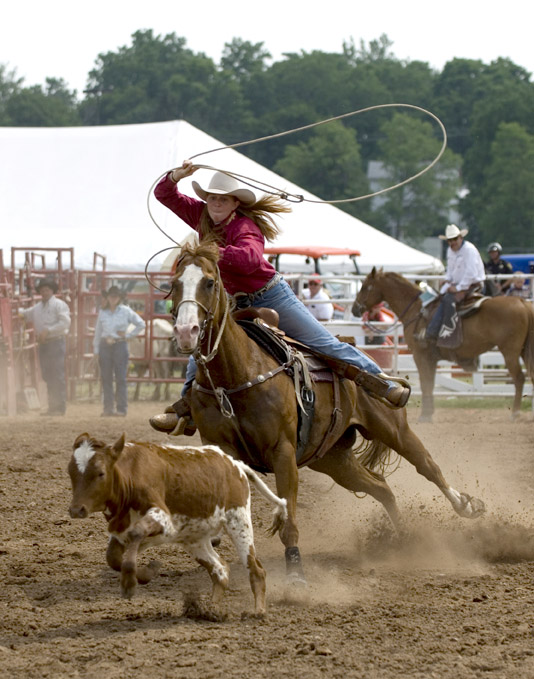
x=62 y=38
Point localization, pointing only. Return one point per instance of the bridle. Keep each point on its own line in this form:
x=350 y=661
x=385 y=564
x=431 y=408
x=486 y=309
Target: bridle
x=207 y=324
x=399 y=321
x=220 y=393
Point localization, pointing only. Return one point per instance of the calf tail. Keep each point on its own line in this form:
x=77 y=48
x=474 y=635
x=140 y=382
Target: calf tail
x=280 y=511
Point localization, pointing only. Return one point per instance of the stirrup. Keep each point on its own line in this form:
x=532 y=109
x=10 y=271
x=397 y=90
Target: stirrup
x=378 y=386
x=184 y=427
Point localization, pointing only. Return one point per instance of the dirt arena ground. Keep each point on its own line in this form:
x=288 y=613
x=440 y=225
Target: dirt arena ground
x=453 y=598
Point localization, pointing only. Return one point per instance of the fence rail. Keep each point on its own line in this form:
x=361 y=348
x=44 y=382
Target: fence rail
x=19 y=370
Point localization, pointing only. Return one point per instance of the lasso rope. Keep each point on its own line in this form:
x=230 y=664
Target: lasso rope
x=293 y=197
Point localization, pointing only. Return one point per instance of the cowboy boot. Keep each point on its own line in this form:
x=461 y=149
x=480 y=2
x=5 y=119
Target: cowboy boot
x=380 y=386
x=177 y=419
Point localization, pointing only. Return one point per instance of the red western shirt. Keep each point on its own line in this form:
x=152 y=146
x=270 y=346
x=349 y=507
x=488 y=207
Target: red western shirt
x=242 y=264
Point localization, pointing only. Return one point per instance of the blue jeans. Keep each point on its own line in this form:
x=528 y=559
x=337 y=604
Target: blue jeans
x=52 y=364
x=442 y=315
x=113 y=360
x=297 y=322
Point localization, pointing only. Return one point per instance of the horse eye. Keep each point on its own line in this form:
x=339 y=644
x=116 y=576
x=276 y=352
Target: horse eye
x=210 y=283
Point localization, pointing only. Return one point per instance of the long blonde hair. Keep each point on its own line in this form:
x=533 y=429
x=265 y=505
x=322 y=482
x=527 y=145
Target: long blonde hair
x=259 y=212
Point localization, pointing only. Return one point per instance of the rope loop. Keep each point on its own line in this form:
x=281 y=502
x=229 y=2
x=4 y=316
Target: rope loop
x=299 y=198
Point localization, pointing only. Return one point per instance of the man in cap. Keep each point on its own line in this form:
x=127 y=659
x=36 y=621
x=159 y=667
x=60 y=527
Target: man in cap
x=319 y=305
x=51 y=320
x=465 y=275
x=496 y=265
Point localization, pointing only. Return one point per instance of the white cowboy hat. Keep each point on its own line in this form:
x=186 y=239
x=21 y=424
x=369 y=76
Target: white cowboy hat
x=452 y=231
x=224 y=185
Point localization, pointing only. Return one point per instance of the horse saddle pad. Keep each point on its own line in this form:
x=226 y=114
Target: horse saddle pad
x=277 y=344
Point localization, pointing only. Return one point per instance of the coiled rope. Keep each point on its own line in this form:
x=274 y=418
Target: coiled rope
x=294 y=197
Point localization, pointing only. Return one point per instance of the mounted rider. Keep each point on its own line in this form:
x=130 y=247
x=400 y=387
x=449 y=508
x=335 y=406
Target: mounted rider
x=464 y=276
x=240 y=223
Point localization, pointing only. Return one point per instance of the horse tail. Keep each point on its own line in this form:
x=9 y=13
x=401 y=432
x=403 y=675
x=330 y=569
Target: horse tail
x=280 y=510
x=527 y=352
x=375 y=455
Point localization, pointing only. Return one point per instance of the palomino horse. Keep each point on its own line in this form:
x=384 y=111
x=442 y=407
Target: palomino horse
x=503 y=322
x=245 y=403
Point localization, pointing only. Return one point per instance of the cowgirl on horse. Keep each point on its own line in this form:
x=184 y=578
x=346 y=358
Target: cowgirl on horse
x=240 y=223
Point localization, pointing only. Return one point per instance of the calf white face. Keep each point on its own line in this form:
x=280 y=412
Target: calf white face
x=90 y=481
x=187 y=322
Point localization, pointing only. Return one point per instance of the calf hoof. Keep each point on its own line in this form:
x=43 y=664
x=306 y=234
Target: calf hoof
x=128 y=588
x=146 y=573
x=257 y=615
x=128 y=582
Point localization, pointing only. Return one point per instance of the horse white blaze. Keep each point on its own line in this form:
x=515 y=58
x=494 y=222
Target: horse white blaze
x=187 y=323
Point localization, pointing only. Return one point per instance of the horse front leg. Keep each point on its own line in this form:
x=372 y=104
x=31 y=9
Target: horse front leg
x=286 y=475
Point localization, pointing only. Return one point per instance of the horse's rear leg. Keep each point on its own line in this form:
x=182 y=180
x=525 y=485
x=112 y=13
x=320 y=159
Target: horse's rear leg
x=514 y=368
x=426 y=362
x=344 y=469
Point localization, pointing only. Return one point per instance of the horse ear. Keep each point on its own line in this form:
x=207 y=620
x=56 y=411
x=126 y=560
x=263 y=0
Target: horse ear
x=373 y=272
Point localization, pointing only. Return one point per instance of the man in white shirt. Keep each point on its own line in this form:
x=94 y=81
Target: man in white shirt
x=324 y=310
x=465 y=275
x=51 y=321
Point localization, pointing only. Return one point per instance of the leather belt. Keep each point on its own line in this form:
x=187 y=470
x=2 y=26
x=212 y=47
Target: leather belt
x=246 y=299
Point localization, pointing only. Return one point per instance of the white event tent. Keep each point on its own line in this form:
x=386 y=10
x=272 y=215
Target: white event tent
x=90 y=188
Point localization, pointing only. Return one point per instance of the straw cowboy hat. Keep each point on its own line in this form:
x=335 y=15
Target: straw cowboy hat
x=224 y=185
x=452 y=231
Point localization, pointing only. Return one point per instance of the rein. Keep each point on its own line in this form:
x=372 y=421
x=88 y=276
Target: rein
x=398 y=322
x=220 y=393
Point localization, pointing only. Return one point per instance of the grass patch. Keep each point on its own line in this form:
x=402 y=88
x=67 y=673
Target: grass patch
x=476 y=402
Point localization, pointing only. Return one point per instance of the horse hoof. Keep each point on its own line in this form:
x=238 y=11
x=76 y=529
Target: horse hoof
x=472 y=507
x=297 y=580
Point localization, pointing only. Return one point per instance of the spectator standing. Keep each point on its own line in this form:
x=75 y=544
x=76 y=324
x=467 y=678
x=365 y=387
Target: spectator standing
x=324 y=309
x=517 y=287
x=51 y=320
x=496 y=266
x=112 y=333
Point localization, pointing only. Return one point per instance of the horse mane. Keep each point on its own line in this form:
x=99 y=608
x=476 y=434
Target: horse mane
x=208 y=249
x=398 y=279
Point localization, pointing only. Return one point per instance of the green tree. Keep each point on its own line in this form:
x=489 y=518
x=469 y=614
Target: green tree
x=457 y=88
x=9 y=85
x=53 y=106
x=419 y=208
x=508 y=97
x=328 y=165
x=507 y=214
x=244 y=59
x=158 y=78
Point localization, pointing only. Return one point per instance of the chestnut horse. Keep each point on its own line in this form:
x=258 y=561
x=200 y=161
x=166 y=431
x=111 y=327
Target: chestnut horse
x=245 y=403
x=503 y=322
